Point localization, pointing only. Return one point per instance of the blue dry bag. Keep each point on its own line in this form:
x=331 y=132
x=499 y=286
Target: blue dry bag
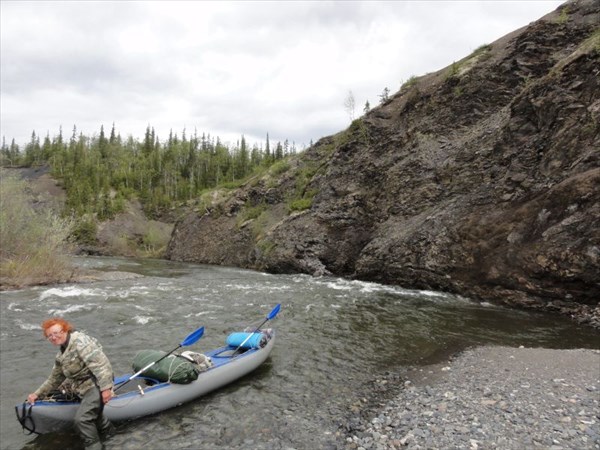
x=256 y=340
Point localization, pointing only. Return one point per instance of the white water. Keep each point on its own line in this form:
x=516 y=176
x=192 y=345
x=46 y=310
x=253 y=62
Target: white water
x=334 y=336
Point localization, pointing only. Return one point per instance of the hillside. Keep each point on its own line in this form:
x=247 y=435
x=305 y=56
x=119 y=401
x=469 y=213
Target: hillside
x=129 y=233
x=480 y=179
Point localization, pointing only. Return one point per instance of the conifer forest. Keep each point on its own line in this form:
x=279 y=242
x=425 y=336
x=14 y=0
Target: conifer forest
x=100 y=172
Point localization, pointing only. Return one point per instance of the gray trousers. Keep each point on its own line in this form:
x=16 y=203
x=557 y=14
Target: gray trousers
x=90 y=422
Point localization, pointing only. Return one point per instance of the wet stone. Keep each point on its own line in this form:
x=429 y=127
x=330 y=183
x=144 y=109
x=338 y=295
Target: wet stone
x=524 y=406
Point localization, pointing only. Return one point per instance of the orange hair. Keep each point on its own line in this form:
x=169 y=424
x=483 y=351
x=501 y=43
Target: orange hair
x=66 y=326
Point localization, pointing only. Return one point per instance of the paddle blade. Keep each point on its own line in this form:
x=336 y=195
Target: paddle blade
x=274 y=312
x=192 y=338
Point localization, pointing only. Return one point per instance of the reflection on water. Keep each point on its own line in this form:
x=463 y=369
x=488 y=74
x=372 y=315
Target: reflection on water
x=333 y=336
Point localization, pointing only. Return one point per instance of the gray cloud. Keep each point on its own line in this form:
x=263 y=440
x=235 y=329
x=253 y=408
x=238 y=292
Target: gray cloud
x=226 y=68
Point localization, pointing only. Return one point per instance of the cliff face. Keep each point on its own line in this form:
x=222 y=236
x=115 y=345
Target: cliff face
x=481 y=179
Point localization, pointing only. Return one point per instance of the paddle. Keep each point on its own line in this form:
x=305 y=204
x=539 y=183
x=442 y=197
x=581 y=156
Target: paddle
x=270 y=316
x=192 y=338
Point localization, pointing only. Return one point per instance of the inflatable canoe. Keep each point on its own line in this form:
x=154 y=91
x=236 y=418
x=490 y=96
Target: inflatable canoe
x=150 y=396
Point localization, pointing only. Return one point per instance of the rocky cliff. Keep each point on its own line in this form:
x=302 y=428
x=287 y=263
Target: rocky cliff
x=481 y=179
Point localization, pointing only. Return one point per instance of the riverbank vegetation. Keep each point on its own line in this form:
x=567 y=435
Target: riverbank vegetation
x=34 y=239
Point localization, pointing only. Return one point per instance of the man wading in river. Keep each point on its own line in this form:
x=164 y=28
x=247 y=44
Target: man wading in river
x=81 y=361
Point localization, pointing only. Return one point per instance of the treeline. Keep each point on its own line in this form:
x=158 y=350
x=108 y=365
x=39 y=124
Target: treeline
x=101 y=171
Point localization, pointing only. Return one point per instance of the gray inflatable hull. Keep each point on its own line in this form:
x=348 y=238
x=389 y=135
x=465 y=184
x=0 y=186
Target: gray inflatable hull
x=49 y=416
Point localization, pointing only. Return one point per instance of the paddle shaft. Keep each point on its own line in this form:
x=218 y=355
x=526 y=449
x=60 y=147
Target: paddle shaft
x=152 y=363
x=271 y=315
x=146 y=368
x=250 y=335
x=190 y=339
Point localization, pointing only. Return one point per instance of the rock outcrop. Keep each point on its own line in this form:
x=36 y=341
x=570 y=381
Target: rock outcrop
x=481 y=179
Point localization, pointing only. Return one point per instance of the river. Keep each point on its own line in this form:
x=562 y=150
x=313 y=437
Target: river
x=334 y=337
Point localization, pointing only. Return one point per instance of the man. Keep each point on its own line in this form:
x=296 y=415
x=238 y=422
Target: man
x=82 y=362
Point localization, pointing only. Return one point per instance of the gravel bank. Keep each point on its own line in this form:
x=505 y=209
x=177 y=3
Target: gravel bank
x=488 y=398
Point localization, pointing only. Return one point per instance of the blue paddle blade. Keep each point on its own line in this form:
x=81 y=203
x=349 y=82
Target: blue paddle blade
x=274 y=312
x=193 y=337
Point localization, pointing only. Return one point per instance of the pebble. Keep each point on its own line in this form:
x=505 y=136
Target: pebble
x=487 y=398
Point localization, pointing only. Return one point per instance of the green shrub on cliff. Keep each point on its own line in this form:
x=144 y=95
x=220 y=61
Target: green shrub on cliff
x=155 y=241
x=85 y=230
x=33 y=242
x=250 y=213
x=301 y=204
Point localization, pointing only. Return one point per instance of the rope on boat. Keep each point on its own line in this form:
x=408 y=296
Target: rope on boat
x=173 y=370
x=25 y=416
x=125 y=404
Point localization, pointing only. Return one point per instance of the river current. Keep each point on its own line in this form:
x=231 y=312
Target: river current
x=334 y=337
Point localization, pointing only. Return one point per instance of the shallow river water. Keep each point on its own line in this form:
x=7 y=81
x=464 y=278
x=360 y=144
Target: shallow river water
x=334 y=337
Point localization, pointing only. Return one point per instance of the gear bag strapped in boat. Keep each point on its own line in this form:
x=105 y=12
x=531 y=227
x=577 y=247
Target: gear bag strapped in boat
x=173 y=368
x=247 y=340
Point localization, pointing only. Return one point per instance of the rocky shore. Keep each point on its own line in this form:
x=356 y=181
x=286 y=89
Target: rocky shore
x=486 y=398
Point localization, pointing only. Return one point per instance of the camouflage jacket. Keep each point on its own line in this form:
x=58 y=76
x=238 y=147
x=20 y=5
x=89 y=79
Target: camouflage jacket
x=83 y=363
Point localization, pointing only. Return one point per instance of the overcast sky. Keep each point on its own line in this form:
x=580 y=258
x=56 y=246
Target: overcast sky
x=227 y=68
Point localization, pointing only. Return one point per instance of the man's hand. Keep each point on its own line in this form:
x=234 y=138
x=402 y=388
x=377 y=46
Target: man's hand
x=31 y=398
x=107 y=394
